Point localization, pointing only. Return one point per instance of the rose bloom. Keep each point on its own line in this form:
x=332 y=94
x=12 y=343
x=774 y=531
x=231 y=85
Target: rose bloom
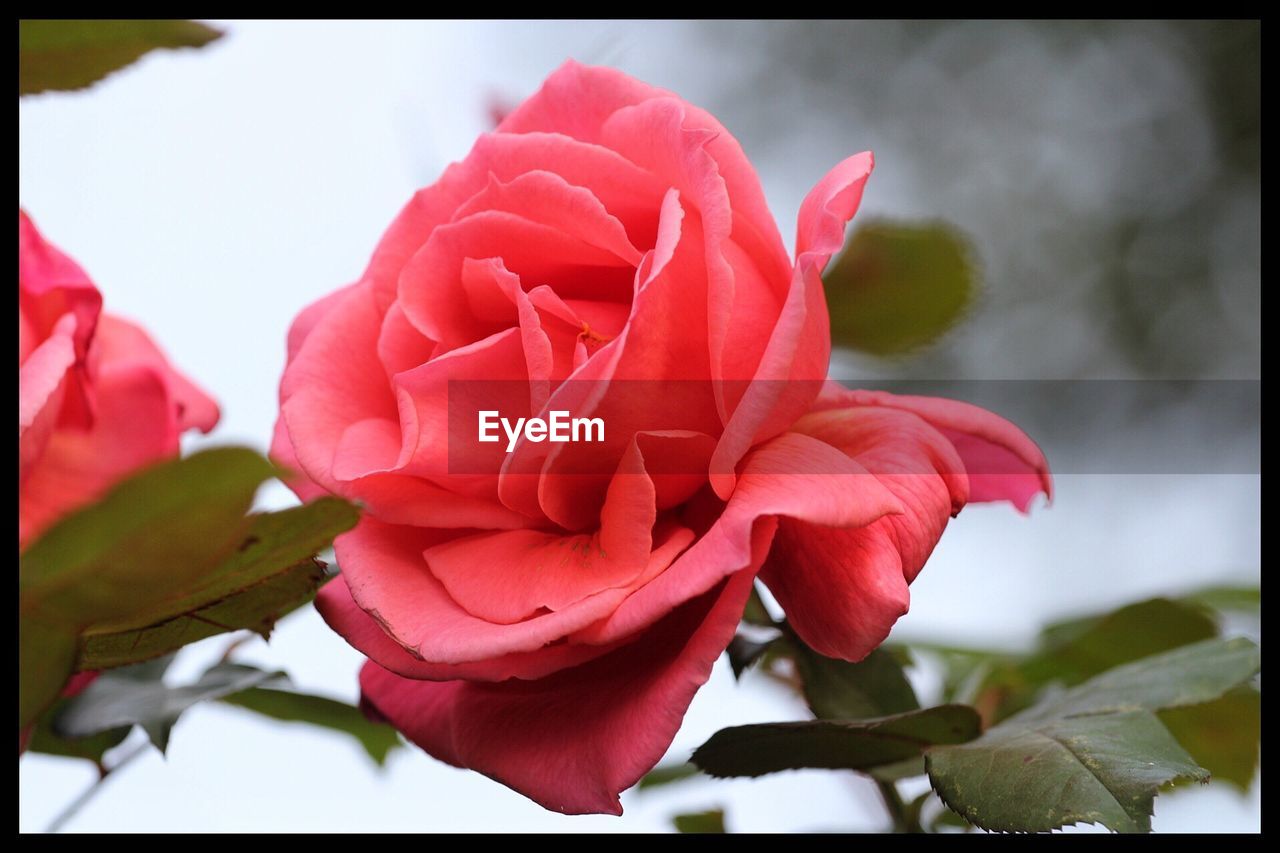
x=96 y=398
x=546 y=616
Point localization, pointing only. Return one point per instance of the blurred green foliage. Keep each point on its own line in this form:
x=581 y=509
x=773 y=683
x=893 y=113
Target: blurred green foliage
x=64 y=55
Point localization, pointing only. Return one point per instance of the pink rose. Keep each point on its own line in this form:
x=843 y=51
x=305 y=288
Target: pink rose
x=545 y=616
x=96 y=398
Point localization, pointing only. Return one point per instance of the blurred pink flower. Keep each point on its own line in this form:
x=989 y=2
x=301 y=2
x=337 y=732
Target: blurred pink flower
x=96 y=397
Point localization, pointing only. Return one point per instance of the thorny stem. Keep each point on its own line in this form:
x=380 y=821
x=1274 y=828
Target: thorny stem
x=88 y=794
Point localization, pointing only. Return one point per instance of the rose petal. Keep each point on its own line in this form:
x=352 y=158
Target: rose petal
x=134 y=424
x=579 y=100
x=509 y=576
x=617 y=385
x=51 y=285
x=42 y=381
x=282 y=454
x=431 y=291
x=629 y=193
x=793 y=476
x=439 y=406
x=654 y=135
x=572 y=741
x=120 y=342
x=364 y=632
x=388 y=577
x=401 y=346
x=308 y=317
x=796 y=359
x=334 y=380
x=843 y=589
x=1002 y=462
x=548 y=199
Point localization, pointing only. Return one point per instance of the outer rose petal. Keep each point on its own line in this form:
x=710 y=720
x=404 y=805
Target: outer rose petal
x=119 y=342
x=308 y=318
x=42 y=380
x=577 y=100
x=392 y=497
x=55 y=299
x=364 y=632
x=795 y=475
x=386 y=573
x=796 y=360
x=133 y=425
x=108 y=448
x=1002 y=462
x=50 y=285
x=436 y=204
x=843 y=589
x=333 y=381
x=282 y=454
x=572 y=741
x=281 y=445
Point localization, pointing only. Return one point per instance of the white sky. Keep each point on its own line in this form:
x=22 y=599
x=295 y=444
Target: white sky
x=211 y=194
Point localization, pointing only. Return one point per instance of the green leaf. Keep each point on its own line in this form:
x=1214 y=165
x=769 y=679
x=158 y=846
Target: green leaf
x=1080 y=649
x=666 y=775
x=66 y=55
x=744 y=651
x=146 y=541
x=167 y=557
x=700 y=822
x=269 y=575
x=907 y=769
x=1102 y=768
x=256 y=608
x=1188 y=675
x=964 y=669
x=876 y=686
x=46 y=653
x=377 y=739
x=128 y=696
x=755 y=750
x=1072 y=651
x=1228 y=599
x=1223 y=736
x=150 y=537
x=1095 y=753
x=898 y=286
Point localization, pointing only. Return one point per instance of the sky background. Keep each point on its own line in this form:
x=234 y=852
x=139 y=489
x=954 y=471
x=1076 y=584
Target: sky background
x=1107 y=174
